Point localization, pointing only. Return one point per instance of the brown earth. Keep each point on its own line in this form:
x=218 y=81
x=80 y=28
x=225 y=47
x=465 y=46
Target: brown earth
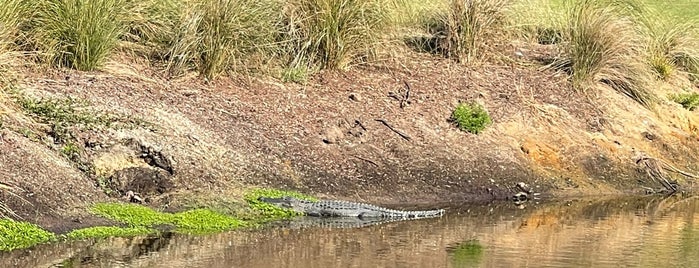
x=201 y=141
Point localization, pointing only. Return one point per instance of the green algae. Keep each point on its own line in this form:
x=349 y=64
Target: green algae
x=263 y=212
x=108 y=231
x=17 y=235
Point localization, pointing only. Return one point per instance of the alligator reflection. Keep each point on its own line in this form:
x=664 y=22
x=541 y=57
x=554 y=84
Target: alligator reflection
x=627 y=232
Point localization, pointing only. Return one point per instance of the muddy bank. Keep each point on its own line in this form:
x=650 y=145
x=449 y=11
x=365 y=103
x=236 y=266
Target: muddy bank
x=182 y=142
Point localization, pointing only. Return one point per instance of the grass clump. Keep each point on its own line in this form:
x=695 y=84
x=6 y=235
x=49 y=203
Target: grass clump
x=216 y=35
x=13 y=13
x=689 y=101
x=78 y=33
x=17 y=235
x=600 y=44
x=672 y=45
x=268 y=211
x=470 y=26
x=471 y=117
x=108 y=231
x=334 y=33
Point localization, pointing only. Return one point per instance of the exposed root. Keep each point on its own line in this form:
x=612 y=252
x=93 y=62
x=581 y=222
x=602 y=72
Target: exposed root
x=657 y=170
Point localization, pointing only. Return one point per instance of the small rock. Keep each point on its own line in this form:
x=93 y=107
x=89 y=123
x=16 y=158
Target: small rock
x=355 y=97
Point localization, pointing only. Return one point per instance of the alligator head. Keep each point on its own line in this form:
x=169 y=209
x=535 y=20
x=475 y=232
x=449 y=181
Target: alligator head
x=283 y=202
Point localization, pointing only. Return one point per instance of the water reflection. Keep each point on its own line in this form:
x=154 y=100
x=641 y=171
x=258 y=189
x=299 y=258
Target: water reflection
x=627 y=232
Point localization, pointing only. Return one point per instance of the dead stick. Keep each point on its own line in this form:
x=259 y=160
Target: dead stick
x=370 y=162
x=406 y=137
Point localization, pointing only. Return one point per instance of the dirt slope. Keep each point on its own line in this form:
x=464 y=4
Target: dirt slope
x=328 y=137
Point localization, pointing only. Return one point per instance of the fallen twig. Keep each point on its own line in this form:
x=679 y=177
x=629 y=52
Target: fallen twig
x=367 y=160
x=404 y=136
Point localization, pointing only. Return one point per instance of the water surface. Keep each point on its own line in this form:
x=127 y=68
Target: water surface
x=626 y=232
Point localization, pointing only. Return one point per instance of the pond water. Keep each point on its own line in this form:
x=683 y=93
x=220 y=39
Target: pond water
x=626 y=232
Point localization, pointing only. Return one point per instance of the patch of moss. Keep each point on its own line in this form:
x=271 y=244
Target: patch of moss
x=195 y=221
x=471 y=117
x=264 y=211
x=689 y=101
x=108 y=231
x=17 y=235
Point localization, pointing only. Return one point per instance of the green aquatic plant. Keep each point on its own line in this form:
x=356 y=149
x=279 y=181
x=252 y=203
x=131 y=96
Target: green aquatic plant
x=17 y=235
x=205 y=221
x=132 y=214
x=467 y=254
x=108 y=231
x=196 y=221
x=268 y=211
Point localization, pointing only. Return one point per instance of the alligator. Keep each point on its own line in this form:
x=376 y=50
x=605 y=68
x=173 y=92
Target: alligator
x=337 y=208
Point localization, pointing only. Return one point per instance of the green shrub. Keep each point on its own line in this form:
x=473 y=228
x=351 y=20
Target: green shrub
x=216 y=35
x=78 y=33
x=689 y=101
x=16 y=235
x=471 y=117
x=334 y=33
x=601 y=44
x=470 y=26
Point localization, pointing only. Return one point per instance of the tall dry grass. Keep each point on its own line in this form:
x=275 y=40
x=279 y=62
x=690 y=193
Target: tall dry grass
x=600 y=44
x=216 y=35
x=334 y=33
x=78 y=33
x=672 y=44
x=470 y=26
x=13 y=14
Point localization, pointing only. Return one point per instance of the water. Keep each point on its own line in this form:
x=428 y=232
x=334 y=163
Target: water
x=627 y=232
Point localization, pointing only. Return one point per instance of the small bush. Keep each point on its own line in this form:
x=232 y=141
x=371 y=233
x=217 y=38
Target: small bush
x=470 y=26
x=600 y=44
x=471 y=117
x=689 y=101
x=335 y=33
x=17 y=235
x=78 y=33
